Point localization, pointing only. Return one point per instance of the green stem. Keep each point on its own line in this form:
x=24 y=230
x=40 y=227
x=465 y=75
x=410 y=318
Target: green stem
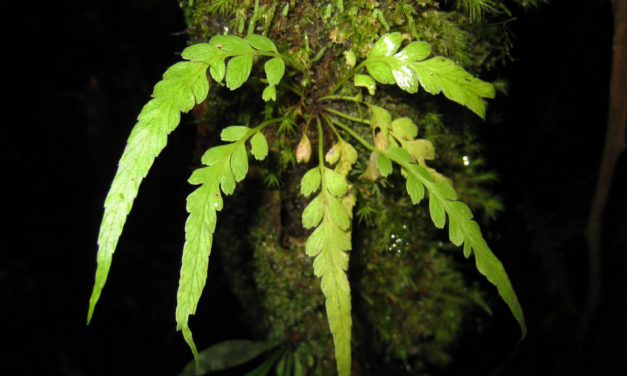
x=347 y=117
x=320 y=148
x=355 y=99
x=262 y=125
x=330 y=123
x=356 y=136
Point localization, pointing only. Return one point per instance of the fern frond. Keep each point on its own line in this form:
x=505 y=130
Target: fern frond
x=443 y=202
x=463 y=230
x=328 y=244
x=226 y=165
x=409 y=70
x=184 y=85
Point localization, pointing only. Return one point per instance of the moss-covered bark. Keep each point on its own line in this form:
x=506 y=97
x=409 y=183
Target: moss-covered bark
x=410 y=301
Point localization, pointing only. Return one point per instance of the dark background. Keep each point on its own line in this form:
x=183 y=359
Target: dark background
x=85 y=69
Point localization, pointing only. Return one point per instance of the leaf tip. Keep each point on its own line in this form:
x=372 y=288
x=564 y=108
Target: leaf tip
x=187 y=334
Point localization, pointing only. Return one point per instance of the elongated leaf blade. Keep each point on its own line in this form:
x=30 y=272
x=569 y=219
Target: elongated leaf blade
x=442 y=200
x=187 y=85
x=199 y=229
x=329 y=244
x=230 y=164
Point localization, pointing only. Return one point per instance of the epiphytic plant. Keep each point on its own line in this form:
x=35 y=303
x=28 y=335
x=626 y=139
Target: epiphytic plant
x=342 y=130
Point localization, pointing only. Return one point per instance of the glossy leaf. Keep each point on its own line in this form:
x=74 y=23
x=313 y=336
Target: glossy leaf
x=380 y=71
x=387 y=45
x=362 y=80
x=409 y=71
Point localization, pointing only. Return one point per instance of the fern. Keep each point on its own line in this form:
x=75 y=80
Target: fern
x=328 y=244
x=226 y=166
x=229 y=60
x=442 y=202
x=184 y=85
x=408 y=71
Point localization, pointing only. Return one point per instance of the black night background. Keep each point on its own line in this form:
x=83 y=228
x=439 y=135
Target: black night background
x=86 y=69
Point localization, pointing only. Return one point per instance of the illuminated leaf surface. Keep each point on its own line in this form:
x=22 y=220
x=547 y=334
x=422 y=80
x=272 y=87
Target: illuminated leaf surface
x=362 y=80
x=259 y=146
x=238 y=70
x=409 y=70
x=275 y=68
x=441 y=74
x=329 y=243
x=234 y=133
x=462 y=230
x=184 y=85
x=260 y=42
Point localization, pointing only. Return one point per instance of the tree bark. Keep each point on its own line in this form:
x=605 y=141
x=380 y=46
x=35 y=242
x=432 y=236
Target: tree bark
x=614 y=146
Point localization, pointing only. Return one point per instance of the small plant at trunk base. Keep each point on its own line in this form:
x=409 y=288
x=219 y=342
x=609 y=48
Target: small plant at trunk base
x=346 y=125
